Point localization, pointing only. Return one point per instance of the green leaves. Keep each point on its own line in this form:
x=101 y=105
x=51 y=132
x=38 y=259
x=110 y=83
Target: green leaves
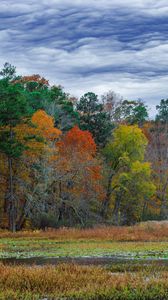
x=12 y=148
x=162 y=111
x=94 y=119
x=13 y=103
x=133 y=112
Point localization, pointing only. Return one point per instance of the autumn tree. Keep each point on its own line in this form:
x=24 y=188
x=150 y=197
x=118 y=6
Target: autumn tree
x=134 y=189
x=37 y=174
x=157 y=154
x=125 y=151
x=31 y=169
x=80 y=185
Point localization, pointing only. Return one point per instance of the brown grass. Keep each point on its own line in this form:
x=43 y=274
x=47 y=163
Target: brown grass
x=148 y=231
x=68 y=280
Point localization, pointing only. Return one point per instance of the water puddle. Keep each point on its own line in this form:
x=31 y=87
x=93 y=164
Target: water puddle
x=82 y=260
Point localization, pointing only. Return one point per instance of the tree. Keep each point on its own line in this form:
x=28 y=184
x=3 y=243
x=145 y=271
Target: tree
x=80 y=185
x=111 y=103
x=36 y=90
x=61 y=107
x=162 y=109
x=131 y=196
x=41 y=137
x=127 y=147
x=8 y=72
x=132 y=112
x=13 y=108
x=157 y=154
x=94 y=118
x=33 y=167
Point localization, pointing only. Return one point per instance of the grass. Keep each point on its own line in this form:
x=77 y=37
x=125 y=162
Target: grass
x=25 y=248
x=131 y=280
x=69 y=281
x=148 y=240
x=148 y=231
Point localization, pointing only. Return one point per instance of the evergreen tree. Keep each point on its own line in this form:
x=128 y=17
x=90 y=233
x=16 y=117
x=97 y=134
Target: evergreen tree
x=13 y=107
x=162 y=111
x=94 y=119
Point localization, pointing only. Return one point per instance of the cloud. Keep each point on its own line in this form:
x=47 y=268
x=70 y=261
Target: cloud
x=90 y=45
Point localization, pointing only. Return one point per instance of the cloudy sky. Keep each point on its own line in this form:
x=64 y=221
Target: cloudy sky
x=90 y=45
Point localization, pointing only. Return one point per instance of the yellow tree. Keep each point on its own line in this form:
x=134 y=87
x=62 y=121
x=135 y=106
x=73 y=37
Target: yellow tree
x=123 y=154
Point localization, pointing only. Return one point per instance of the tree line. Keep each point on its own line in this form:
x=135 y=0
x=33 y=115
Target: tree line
x=78 y=162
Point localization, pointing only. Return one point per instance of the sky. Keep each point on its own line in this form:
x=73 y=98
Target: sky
x=90 y=45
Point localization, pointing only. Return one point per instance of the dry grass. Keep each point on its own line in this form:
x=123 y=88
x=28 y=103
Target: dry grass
x=147 y=231
x=78 y=281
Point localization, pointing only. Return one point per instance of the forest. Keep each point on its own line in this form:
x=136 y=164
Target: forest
x=68 y=162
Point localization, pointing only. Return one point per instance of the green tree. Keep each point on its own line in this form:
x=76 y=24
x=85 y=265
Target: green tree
x=162 y=109
x=62 y=107
x=13 y=108
x=8 y=71
x=132 y=112
x=52 y=99
x=94 y=118
x=36 y=89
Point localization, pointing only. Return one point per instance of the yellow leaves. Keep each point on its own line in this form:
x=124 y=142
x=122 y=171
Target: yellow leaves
x=37 y=138
x=45 y=125
x=127 y=145
x=139 y=167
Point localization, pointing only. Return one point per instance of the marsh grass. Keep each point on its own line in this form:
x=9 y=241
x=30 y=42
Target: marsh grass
x=132 y=281
x=27 y=248
x=147 y=231
x=80 y=282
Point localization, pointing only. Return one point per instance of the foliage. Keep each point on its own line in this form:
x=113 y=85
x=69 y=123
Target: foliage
x=132 y=112
x=80 y=172
x=162 y=111
x=70 y=162
x=94 y=119
x=135 y=188
x=130 y=177
x=62 y=107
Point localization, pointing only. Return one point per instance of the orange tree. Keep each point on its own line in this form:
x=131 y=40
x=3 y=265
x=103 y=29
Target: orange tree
x=80 y=185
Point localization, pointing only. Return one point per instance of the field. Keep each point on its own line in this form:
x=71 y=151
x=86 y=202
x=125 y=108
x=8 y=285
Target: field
x=100 y=263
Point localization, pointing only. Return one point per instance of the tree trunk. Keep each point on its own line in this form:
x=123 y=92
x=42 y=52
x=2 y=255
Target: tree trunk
x=12 y=206
x=164 y=209
x=116 y=209
x=106 y=201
